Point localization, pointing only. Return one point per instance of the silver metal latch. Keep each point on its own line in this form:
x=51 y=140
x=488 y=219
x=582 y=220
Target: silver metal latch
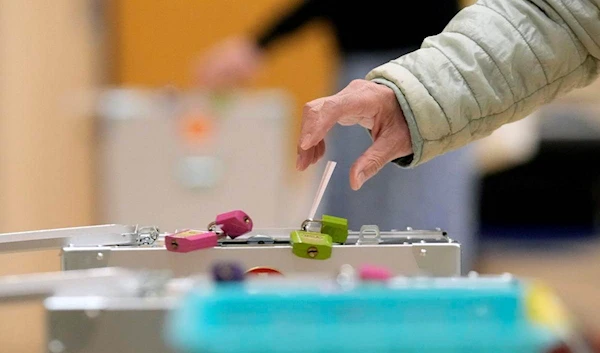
x=369 y=235
x=146 y=235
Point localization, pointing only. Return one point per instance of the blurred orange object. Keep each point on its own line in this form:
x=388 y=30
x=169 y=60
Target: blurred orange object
x=196 y=128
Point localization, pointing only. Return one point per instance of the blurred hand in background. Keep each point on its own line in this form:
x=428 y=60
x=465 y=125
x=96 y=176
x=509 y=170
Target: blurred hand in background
x=231 y=63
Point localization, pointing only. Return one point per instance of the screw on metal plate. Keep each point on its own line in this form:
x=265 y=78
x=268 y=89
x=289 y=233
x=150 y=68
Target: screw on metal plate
x=369 y=234
x=444 y=235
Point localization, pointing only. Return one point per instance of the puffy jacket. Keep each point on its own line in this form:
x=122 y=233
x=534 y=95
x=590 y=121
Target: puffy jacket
x=494 y=63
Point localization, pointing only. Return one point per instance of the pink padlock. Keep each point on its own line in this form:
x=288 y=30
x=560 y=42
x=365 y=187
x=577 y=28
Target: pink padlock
x=191 y=240
x=374 y=273
x=233 y=223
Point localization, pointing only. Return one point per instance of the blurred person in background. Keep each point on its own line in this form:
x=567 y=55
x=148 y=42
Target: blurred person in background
x=442 y=193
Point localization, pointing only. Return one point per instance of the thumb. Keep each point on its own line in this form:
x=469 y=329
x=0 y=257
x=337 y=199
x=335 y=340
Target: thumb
x=371 y=162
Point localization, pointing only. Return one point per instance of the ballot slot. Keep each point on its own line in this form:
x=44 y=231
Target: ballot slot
x=387 y=238
x=281 y=237
x=147 y=236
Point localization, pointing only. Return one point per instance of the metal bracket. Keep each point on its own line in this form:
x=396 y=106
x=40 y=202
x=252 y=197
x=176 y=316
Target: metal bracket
x=369 y=235
x=81 y=260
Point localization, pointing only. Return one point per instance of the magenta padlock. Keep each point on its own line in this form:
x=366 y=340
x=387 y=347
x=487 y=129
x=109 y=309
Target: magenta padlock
x=232 y=224
x=191 y=240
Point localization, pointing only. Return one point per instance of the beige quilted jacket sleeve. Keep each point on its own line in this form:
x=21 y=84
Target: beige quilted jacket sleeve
x=495 y=63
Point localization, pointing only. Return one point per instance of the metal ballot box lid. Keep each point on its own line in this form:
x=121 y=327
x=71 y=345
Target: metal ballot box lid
x=408 y=252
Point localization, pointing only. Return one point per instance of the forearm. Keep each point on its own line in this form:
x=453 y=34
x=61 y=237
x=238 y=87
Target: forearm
x=495 y=63
x=289 y=22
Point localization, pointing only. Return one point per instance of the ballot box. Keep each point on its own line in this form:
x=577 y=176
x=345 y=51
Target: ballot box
x=169 y=157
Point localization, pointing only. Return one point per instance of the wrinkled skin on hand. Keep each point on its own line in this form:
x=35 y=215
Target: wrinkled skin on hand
x=368 y=104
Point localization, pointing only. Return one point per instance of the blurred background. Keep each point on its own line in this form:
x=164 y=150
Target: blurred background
x=100 y=122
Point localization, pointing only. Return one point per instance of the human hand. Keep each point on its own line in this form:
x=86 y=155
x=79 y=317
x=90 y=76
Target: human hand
x=371 y=105
x=230 y=63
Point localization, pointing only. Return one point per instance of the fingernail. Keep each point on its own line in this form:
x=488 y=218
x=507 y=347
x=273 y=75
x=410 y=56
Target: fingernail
x=298 y=162
x=305 y=143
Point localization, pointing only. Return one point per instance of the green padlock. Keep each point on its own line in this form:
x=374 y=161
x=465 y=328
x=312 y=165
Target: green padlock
x=335 y=227
x=311 y=245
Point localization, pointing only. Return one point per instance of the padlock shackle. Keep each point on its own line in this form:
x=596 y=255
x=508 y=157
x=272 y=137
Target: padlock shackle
x=215 y=228
x=307 y=221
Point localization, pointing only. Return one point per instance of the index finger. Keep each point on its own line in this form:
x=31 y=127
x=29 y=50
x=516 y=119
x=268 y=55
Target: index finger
x=320 y=115
x=356 y=101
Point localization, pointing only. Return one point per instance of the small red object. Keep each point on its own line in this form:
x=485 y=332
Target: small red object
x=263 y=271
x=190 y=240
x=374 y=273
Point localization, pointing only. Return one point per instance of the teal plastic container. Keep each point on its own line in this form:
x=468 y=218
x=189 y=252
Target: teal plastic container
x=402 y=316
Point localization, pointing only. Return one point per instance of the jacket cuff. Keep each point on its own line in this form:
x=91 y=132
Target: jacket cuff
x=429 y=128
